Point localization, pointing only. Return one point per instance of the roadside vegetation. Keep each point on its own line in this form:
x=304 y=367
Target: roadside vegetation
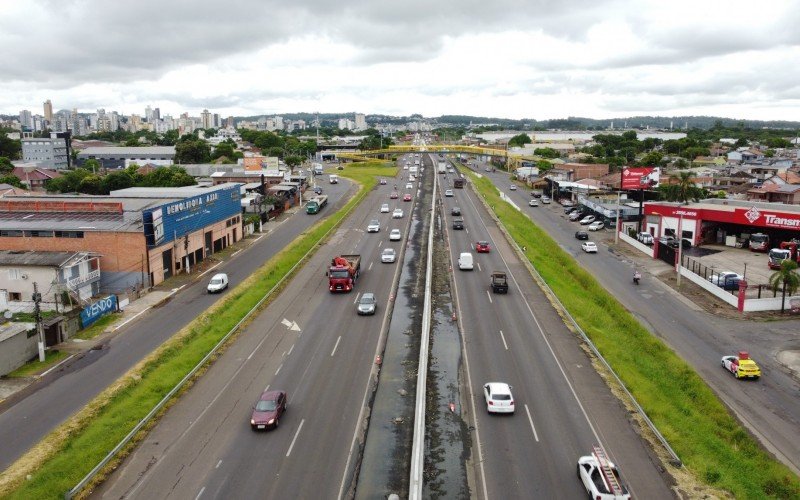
x=709 y=441
x=67 y=454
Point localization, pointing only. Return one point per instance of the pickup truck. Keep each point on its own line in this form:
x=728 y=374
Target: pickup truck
x=316 y=203
x=343 y=273
x=499 y=282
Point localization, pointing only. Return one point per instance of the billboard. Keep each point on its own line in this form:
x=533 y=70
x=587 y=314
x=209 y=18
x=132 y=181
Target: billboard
x=640 y=177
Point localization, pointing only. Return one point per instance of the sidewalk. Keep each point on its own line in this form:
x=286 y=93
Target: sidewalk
x=139 y=307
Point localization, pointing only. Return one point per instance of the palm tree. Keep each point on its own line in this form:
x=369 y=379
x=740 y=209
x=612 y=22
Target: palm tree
x=685 y=188
x=785 y=278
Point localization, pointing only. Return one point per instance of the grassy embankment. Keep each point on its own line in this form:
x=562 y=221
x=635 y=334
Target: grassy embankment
x=66 y=455
x=709 y=441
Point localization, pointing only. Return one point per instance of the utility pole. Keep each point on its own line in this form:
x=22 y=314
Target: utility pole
x=37 y=314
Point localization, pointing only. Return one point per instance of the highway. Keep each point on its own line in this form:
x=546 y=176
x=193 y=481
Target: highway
x=769 y=407
x=204 y=447
x=563 y=407
x=30 y=415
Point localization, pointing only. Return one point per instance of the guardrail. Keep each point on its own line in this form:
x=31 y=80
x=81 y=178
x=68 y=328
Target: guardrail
x=146 y=419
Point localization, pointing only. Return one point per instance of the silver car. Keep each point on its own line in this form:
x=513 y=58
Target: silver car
x=374 y=226
x=388 y=255
x=366 y=304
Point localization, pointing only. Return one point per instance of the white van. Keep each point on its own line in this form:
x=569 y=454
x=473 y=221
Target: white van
x=333 y=179
x=465 y=261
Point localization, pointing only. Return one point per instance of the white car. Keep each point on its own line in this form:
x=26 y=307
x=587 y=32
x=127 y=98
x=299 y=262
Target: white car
x=218 y=283
x=595 y=482
x=533 y=203
x=596 y=225
x=397 y=214
x=546 y=200
x=388 y=255
x=405 y=167
x=498 y=397
x=721 y=277
x=409 y=185
x=587 y=220
x=411 y=178
x=589 y=247
x=448 y=193
x=512 y=187
x=395 y=235
x=385 y=208
x=374 y=226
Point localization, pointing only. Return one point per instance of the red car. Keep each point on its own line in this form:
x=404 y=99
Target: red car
x=268 y=410
x=482 y=247
x=393 y=195
x=407 y=197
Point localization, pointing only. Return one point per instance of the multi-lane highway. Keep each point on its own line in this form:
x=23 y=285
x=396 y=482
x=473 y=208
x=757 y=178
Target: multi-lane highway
x=28 y=417
x=562 y=405
x=770 y=408
x=204 y=447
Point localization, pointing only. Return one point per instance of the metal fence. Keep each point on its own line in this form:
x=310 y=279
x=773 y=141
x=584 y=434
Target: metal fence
x=706 y=272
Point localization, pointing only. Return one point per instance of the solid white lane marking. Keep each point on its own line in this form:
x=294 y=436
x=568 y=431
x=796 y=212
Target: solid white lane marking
x=489 y=295
x=201 y=493
x=355 y=301
x=218 y=464
x=535 y=436
x=279 y=369
x=289 y=452
x=335 y=346
x=504 y=339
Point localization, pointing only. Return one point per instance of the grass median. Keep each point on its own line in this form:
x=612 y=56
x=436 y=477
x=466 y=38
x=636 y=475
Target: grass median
x=709 y=441
x=67 y=454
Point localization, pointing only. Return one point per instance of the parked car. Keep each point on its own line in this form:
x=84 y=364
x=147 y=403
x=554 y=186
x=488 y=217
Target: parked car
x=482 y=247
x=218 y=283
x=448 y=193
x=388 y=255
x=569 y=210
x=576 y=215
x=374 y=226
x=533 y=203
x=581 y=235
x=366 y=304
x=673 y=242
x=268 y=410
x=395 y=235
x=645 y=238
x=720 y=277
x=587 y=220
x=546 y=200
x=385 y=208
x=397 y=214
x=596 y=225
x=498 y=397
x=589 y=247
x=455 y=211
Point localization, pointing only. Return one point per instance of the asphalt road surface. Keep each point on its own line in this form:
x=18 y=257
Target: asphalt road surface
x=563 y=407
x=26 y=418
x=769 y=407
x=204 y=447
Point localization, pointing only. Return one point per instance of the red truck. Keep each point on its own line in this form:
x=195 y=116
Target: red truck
x=343 y=272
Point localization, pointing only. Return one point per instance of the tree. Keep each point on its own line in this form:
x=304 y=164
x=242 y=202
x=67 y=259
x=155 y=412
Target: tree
x=11 y=180
x=115 y=181
x=682 y=188
x=10 y=148
x=293 y=161
x=91 y=184
x=225 y=149
x=543 y=166
x=651 y=158
x=274 y=151
x=6 y=167
x=92 y=164
x=787 y=279
x=519 y=140
x=69 y=182
x=546 y=152
x=192 y=151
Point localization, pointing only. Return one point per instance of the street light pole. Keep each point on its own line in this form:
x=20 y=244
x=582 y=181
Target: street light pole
x=680 y=248
x=616 y=226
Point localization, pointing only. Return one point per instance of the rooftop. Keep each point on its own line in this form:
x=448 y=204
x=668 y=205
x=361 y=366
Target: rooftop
x=44 y=259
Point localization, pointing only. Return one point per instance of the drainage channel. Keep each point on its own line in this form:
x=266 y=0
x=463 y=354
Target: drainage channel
x=387 y=450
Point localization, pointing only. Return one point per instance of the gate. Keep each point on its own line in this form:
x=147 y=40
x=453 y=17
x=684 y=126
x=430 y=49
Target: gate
x=667 y=253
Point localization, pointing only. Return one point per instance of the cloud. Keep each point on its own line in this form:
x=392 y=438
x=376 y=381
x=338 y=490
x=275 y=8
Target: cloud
x=538 y=59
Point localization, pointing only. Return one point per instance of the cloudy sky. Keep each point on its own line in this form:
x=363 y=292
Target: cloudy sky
x=501 y=58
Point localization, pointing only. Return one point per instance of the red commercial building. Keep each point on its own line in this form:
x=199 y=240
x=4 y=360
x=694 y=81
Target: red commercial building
x=724 y=222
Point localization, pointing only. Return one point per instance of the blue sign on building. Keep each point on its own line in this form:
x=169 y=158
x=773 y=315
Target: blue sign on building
x=176 y=219
x=98 y=309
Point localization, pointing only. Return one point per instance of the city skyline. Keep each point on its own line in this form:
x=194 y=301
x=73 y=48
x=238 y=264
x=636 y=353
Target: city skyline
x=517 y=60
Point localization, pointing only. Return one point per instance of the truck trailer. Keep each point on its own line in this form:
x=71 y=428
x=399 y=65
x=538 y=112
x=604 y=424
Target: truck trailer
x=442 y=167
x=343 y=272
x=316 y=204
